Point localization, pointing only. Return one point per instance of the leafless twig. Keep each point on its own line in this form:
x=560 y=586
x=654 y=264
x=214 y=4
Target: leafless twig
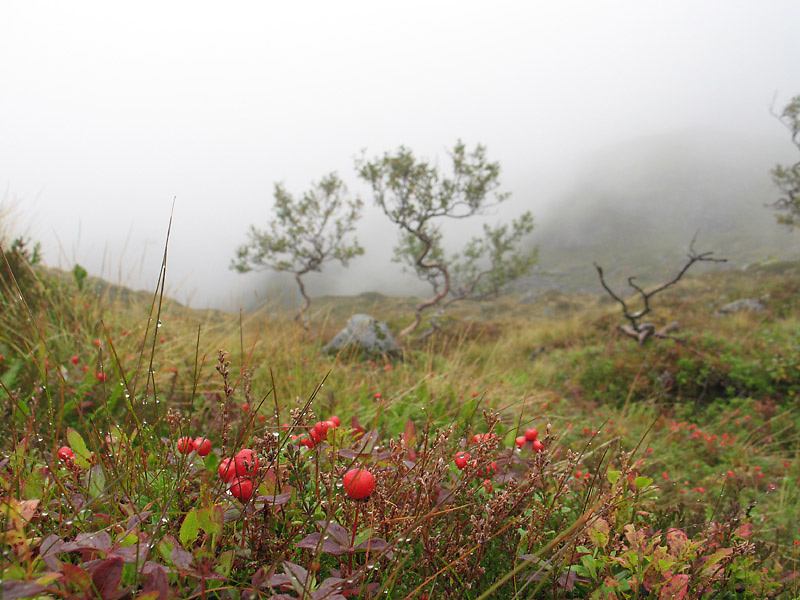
x=637 y=329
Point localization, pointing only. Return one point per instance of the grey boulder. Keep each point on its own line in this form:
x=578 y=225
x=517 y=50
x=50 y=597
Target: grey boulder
x=364 y=334
x=748 y=304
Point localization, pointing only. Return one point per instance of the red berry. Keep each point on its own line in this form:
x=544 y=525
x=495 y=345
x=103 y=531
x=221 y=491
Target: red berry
x=358 y=483
x=202 y=445
x=520 y=441
x=335 y=420
x=538 y=446
x=74 y=360
x=65 y=453
x=487 y=485
x=316 y=438
x=492 y=468
x=321 y=427
x=307 y=442
x=531 y=434
x=85 y=368
x=246 y=462
x=242 y=489
x=185 y=445
x=96 y=343
x=461 y=459
x=227 y=470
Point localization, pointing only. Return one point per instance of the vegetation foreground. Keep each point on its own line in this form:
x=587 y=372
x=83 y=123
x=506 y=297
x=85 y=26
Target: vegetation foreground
x=523 y=450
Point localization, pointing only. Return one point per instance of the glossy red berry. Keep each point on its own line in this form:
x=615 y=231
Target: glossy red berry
x=315 y=436
x=461 y=459
x=65 y=453
x=241 y=489
x=321 y=427
x=246 y=462
x=227 y=470
x=202 y=446
x=538 y=446
x=520 y=441
x=185 y=445
x=74 y=360
x=358 y=483
x=531 y=434
x=335 y=420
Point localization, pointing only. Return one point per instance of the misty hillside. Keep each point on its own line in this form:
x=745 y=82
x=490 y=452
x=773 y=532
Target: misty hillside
x=635 y=208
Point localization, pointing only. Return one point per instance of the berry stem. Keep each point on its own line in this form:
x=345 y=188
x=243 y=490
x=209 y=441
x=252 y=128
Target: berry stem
x=352 y=541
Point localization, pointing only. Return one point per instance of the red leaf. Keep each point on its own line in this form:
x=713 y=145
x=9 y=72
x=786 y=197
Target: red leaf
x=329 y=546
x=156 y=582
x=409 y=434
x=11 y=590
x=675 y=588
x=76 y=576
x=106 y=578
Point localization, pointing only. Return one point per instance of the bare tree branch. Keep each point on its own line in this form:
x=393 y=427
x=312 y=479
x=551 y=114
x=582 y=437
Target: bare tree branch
x=642 y=331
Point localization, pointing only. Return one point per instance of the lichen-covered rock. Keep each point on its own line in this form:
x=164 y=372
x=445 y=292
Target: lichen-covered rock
x=365 y=334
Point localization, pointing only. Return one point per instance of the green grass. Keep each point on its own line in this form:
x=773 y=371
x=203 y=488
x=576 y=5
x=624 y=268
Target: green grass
x=672 y=466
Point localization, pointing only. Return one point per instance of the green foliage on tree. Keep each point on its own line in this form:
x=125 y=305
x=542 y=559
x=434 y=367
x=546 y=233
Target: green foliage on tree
x=416 y=196
x=787 y=177
x=304 y=234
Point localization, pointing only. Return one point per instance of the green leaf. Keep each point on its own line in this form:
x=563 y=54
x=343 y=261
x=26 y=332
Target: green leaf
x=82 y=454
x=613 y=476
x=642 y=482
x=211 y=519
x=190 y=528
x=97 y=481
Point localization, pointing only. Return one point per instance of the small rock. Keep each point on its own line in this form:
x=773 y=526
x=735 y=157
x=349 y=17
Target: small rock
x=367 y=335
x=749 y=304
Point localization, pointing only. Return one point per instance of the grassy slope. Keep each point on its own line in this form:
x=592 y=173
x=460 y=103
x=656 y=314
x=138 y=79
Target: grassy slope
x=716 y=412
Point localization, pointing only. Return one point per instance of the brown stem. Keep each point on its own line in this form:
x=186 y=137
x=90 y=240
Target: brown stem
x=352 y=541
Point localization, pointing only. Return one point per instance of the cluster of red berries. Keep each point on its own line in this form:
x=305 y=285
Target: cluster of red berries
x=200 y=445
x=317 y=433
x=462 y=459
x=530 y=438
x=238 y=473
x=480 y=438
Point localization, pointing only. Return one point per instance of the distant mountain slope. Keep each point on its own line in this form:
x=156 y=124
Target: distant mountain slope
x=635 y=208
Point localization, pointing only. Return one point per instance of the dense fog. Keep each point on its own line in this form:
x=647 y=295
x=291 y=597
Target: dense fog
x=110 y=113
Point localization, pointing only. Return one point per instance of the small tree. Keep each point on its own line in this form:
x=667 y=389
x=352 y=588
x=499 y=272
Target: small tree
x=304 y=234
x=787 y=178
x=414 y=194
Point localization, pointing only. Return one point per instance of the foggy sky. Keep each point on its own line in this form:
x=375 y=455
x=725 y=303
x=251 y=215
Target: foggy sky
x=109 y=111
